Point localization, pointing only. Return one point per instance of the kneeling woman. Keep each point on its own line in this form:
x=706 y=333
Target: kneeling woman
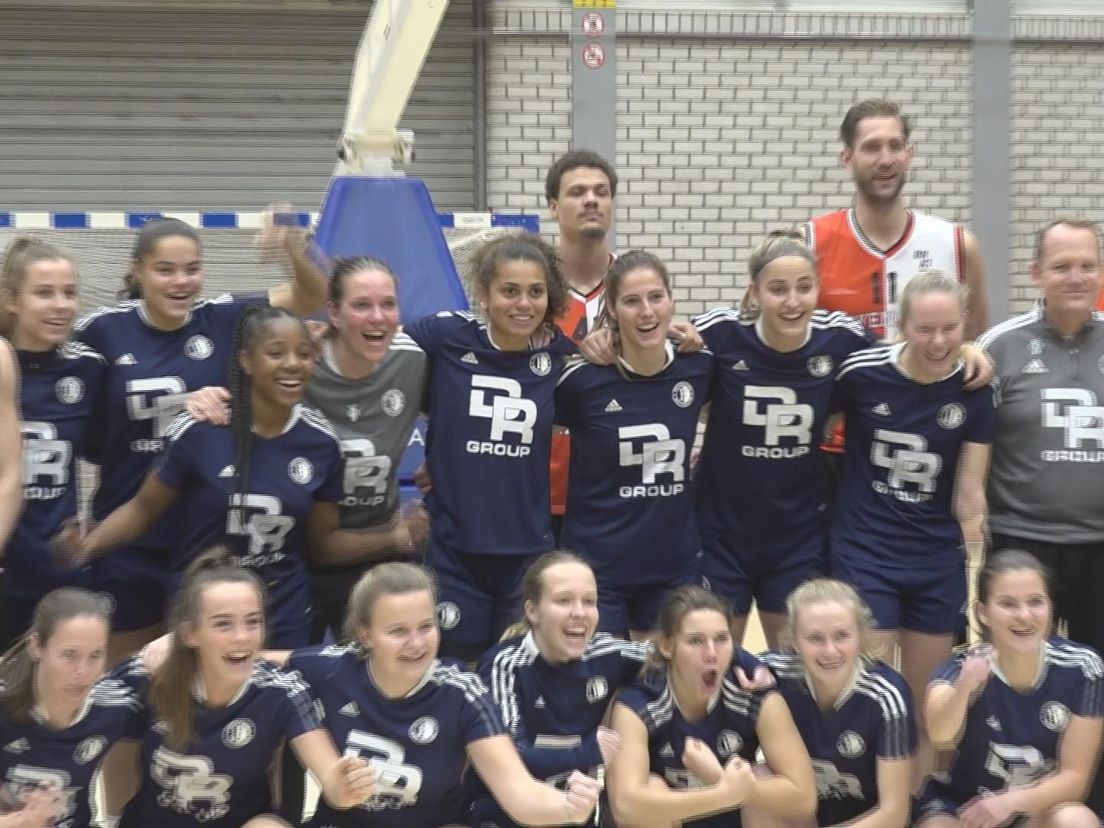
x=58 y=716
x=419 y=721
x=219 y=716
x=853 y=712
x=689 y=733
x=1025 y=713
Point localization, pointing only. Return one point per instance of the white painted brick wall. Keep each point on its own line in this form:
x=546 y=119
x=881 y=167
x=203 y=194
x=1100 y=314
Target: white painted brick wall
x=721 y=140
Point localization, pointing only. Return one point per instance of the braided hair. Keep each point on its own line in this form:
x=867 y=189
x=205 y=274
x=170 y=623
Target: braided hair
x=250 y=327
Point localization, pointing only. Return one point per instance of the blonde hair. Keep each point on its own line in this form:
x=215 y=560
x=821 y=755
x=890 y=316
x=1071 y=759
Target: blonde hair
x=385 y=579
x=923 y=283
x=20 y=255
x=825 y=591
x=532 y=585
x=777 y=244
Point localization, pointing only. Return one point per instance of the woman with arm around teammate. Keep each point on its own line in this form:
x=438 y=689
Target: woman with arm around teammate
x=689 y=734
x=267 y=486
x=491 y=413
x=61 y=381
x=219 y=715
x=761 y=484
x=418 y=721
x=161 y=343
x=911 y=502
x=630 y=510
x=853 y=712
x=58 y=713
x=1024 y=712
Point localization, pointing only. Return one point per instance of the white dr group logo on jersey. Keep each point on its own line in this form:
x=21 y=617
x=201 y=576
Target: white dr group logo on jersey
x=159 y=399
x=905 y=456
x=259 y=518
x=366 y=474
x=658 y=455
x=190 y=786
x=782 y=417
x=44 y=456
x=23 y=778
x=499 y=400
x=1075 y=412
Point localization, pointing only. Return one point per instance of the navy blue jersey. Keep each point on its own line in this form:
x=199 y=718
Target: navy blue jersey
x=1011 y=738
x=903 y=444
x=417 y=744
x=64 y=761
x=871 y=720
x=58 y=396
x=728 y=728
x=287 y=476
x=760 y=472
x=490 y=425
x=150 y=373
x=630 y=507
x=221 y=777
x=553 y=710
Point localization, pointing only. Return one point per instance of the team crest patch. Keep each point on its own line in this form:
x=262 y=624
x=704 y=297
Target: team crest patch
x=89 y=749
x=301 y=470
x=199 y=347
x=540 y=364
x=238 y=733
x=596 y=689
x=1055 y=716
x=729 y=743
x=393 y=402
x=353 y=412
x=951 y=416
x=1035 y=347
x=820 y=366
x=448 y=615
x=682 y=394
x=424 y=730
x=850 y=744
x=69 y=390
x=1100 y=365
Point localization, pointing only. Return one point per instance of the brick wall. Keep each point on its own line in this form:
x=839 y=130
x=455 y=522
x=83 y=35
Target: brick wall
x=723 y=138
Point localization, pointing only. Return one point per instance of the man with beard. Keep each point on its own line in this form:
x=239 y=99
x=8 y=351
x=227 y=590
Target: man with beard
x=867 y=252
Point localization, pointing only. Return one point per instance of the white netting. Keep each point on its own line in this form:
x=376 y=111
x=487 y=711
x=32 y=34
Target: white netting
x=230 y=261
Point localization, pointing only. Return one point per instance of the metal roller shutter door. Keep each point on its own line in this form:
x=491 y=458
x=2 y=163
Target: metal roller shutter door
x=173 y=108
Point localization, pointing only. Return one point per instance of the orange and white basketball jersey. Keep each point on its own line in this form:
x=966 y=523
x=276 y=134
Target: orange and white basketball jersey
x=861 y=280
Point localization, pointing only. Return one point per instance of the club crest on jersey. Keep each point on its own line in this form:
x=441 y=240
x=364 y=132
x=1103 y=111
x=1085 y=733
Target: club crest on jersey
x=393 y=402
x=850 y=744
x=353 y=412
x=1035 y=347
x=238 y=733
x=1055 y=716
x=69 y=390
x=424 y=730
x=199 y=347
x=540 y=364
x=820 y=366
x=729 y=743
x=951 y=416
x=89 y=749
x=596 y=689
x=301 y=470
x=1100 y=364
x=683 y=394
x=448 y=615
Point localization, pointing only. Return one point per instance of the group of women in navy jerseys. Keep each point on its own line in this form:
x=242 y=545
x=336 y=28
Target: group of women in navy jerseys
x=194 y=412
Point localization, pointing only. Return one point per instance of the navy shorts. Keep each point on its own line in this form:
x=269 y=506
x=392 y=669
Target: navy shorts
x=928 y=598
x=136 y=581
x=765 y=571
x=478 y=597
x=623 y=608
